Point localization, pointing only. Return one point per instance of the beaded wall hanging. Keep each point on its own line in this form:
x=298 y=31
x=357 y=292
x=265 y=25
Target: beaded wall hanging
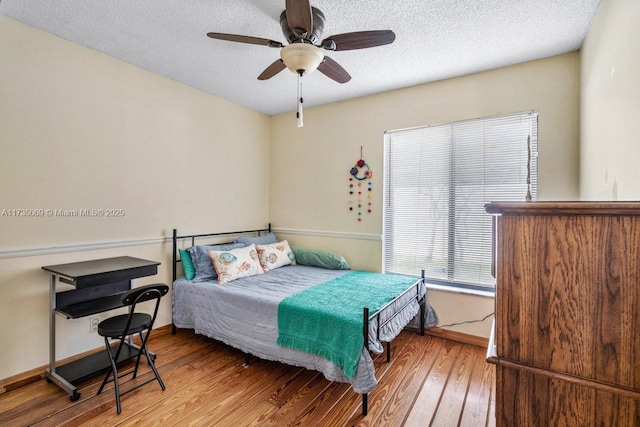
x=360 y=187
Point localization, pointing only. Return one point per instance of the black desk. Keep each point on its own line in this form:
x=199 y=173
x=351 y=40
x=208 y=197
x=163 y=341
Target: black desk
x=98 y=286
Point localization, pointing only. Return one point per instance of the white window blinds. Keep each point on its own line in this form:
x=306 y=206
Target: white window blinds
x=437 y=181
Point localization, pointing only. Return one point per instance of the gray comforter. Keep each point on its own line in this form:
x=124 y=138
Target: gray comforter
x=244 y=314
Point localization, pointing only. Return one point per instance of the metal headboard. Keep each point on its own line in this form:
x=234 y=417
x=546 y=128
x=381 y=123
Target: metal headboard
x=193 y=237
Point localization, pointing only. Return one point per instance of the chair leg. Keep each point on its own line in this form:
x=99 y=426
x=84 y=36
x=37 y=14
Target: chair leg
x=117 y=391
x=153 y=366
x=114 y=371
x=104 y=382
x=106 y=377
x=135 y=369
x=143 y=348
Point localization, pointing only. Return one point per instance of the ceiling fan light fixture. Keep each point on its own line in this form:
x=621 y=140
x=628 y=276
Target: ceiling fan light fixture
x=302 y=26
x=301 y=56
x=329 y=44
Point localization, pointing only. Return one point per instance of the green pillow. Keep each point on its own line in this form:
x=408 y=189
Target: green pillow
x=187 y=264
x=319 y=258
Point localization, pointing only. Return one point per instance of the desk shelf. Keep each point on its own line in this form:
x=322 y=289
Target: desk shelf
x=87 y=308
x=94 y=364
x=97 y=287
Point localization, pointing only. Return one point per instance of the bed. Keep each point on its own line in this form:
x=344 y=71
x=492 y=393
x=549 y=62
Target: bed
x=249 y=313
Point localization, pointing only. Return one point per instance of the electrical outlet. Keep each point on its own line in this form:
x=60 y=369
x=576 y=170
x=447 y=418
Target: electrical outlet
x=93 y=326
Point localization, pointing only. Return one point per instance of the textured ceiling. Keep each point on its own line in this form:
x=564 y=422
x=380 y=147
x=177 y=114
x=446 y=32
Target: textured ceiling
x=435 y=39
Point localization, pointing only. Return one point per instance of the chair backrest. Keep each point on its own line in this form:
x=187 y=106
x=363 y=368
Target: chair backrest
x=142 y=294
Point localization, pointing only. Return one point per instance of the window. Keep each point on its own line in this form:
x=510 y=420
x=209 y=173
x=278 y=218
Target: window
x=437 y=181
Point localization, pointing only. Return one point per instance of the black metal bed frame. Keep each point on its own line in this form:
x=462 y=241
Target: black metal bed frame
x=365 y=311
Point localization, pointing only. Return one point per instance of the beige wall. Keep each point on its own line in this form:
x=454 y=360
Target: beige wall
x=310 y=165
x=610 y=104
x=79 y=129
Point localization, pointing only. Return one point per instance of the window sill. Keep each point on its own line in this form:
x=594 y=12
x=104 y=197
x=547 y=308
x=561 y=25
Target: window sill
x=487 y=294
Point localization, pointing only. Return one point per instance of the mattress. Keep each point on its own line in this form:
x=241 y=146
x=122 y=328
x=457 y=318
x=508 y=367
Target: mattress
x=243 y=314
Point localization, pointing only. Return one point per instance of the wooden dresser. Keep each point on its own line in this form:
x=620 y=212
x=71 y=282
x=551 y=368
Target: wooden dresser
x=566 y=339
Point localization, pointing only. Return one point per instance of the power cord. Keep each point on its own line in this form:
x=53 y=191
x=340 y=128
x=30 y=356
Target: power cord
x=468 y=321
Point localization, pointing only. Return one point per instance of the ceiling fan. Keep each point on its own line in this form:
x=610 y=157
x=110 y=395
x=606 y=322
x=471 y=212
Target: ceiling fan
x=302 y=26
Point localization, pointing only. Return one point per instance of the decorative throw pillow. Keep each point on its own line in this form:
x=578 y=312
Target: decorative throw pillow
x=320 y=258
x=202 y=261
x=187 y=264
x=275 y=255
x=236 y=263
x=267 y=239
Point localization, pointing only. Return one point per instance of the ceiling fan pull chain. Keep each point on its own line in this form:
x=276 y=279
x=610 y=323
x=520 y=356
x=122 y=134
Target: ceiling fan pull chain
x=299 y=111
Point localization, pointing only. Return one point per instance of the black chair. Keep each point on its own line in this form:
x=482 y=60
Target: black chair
x=124 y=326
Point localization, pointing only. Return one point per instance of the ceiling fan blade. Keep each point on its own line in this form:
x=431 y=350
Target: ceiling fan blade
x=299 y=15
x=245 y=39
x=359 y=40
x=272 y=70
x=333 y=70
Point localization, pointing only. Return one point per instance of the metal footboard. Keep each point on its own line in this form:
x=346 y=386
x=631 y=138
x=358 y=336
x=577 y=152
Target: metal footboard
x=366 y=319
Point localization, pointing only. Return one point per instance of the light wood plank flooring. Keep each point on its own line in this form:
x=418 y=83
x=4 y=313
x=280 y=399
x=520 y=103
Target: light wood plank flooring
x=430 y=381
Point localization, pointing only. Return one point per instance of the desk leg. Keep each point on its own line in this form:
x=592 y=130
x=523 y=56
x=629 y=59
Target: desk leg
x=51 y=372
x=52 y=325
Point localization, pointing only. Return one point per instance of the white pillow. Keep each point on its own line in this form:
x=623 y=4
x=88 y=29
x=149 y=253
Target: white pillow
x=275 y=255
x=236 y=263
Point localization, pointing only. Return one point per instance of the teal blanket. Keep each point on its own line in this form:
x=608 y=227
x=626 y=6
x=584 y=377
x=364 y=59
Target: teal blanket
x=327 y=320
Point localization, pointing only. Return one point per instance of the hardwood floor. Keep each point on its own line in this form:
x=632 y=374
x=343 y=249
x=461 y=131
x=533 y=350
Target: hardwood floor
x=430 y=381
